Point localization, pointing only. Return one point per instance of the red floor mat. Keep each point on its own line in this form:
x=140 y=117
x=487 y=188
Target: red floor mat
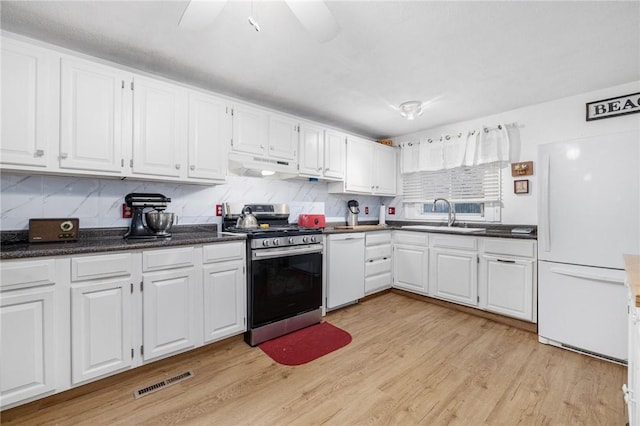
x=306 y=345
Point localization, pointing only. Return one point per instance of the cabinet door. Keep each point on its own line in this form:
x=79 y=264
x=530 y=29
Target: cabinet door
x=209 y=136
x=27 y=347
x=159 y=127
x=410 y=268
x=27 y=104
x=384 y=166
x=250 y=127
x=453 y=275
x=359 y=161
x=100 y=329
x=509 y=287
x=334 y=154
x=91 y=106
x=283 y=137
x=224 y=300
x=311 y=150
x=168 y=304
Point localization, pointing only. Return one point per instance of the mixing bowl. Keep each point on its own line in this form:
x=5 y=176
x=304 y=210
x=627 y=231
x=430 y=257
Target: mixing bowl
x=159 y=222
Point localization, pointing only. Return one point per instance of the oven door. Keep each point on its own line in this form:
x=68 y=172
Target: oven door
x=284 y=282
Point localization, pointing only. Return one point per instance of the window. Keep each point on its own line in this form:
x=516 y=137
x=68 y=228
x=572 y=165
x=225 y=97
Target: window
x=474 y=191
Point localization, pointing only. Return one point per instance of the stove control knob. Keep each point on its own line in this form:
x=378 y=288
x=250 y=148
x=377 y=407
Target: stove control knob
x=265 y=243
x=291 y=240
x=276 y=242
x=313 y=239
x=305 y=239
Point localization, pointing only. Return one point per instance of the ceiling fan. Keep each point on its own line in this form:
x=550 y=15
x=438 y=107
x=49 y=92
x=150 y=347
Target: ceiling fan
x=314 y=16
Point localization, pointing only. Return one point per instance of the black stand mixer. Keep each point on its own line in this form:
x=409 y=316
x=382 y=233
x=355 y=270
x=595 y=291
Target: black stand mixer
x=158 y=223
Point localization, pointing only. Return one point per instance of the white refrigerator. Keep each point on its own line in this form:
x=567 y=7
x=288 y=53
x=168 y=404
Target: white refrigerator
x=589 y=215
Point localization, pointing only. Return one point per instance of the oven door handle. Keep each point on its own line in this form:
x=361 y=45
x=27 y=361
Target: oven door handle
x=293 y=251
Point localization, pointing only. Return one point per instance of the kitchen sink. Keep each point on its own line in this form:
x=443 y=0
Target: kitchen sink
x=443 y=228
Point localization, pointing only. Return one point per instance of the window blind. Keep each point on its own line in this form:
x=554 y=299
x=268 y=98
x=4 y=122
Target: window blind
x=477 y=184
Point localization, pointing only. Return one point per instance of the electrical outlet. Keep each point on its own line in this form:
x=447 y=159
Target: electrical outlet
x=218 y=209
x=127 y=213
x=392 y=210
x=366 y=210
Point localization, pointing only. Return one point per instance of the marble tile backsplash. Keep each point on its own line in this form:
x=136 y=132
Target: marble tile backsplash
x=97 y=202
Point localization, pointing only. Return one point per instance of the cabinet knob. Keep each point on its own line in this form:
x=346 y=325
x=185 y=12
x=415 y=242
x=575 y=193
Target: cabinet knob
x=261 y=146
x=39 y=152
x=177 y=166
x=319 y=169
x=192 y=167
x=63 y=155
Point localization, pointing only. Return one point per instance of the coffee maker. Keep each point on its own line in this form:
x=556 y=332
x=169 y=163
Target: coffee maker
x=352 y=214
x=157 y=223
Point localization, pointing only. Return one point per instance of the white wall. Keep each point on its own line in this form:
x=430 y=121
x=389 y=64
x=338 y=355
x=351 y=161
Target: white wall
x=539 y=124
x=98 y=202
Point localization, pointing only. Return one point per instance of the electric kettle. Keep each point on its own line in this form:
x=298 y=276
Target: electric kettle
x=352 y=214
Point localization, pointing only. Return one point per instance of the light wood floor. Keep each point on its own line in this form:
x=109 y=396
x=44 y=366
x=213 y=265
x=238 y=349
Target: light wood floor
x=410 y=362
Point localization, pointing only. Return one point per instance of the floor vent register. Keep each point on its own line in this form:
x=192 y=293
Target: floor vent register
x=138 y=393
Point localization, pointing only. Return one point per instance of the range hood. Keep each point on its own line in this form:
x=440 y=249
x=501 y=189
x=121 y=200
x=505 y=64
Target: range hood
x=256 y=166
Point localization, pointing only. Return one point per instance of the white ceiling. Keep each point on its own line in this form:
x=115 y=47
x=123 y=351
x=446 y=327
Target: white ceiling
x=468 y=59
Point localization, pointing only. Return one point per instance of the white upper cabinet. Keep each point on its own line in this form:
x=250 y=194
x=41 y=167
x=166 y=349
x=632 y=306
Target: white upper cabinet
x=29 y=104
x=311 y=150
x=91 y=116
x=270 y=139
x=359 y=162
x=322 y=152
x=334 y=154
x=283 y=137
x=250 y=130
x=159 y=127
x=370 y=169
x=209 y=136
x=384 y=170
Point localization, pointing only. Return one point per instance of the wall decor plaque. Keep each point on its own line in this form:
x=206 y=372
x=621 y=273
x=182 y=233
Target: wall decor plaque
x=612 y=107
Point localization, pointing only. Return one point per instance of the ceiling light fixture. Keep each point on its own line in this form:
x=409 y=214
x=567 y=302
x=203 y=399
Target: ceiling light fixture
x=411 y=109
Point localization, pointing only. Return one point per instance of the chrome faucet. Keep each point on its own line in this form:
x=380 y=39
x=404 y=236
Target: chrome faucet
x=452 y=213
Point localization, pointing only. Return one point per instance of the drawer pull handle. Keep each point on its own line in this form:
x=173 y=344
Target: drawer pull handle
x=506 y=261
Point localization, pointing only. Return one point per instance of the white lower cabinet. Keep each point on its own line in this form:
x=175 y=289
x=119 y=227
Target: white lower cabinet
x=27 y=349
x=509 y=286
x=411 y=261
x=101 y=315
x=101 y=325
x=224 y=291
x=631 y=390
x=453 y=275
x=508 y=283
x=169 y=314
x=377 y=268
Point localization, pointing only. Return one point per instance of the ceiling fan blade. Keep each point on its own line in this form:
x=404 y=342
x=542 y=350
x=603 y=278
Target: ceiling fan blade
x=200 y=13
x=316 y=17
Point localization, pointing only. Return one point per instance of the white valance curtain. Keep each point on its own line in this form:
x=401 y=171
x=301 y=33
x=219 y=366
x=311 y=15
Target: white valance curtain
x=475 y=148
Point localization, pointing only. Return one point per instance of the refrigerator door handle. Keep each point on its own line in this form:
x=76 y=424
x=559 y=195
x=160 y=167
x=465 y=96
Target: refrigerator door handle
x=546 y=199
x=587 y=276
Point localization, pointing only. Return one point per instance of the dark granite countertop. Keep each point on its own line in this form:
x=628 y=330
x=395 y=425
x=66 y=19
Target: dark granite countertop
x=15 y=244
x=490 y=230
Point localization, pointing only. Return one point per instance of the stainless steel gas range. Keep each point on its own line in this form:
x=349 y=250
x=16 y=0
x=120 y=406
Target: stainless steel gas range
x=284 y=264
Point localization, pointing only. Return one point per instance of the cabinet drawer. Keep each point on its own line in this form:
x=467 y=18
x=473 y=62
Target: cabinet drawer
x=378 y=252
x=167 y=259
x=449 y=241
x=101 y=266
x=373 y=238
x=17 y=274
x=510 y=247
x=377 y=267
x=411 y=238
x=377 y=282
x=222 y=252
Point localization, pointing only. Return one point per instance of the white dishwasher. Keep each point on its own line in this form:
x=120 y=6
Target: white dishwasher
x=345 y=268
